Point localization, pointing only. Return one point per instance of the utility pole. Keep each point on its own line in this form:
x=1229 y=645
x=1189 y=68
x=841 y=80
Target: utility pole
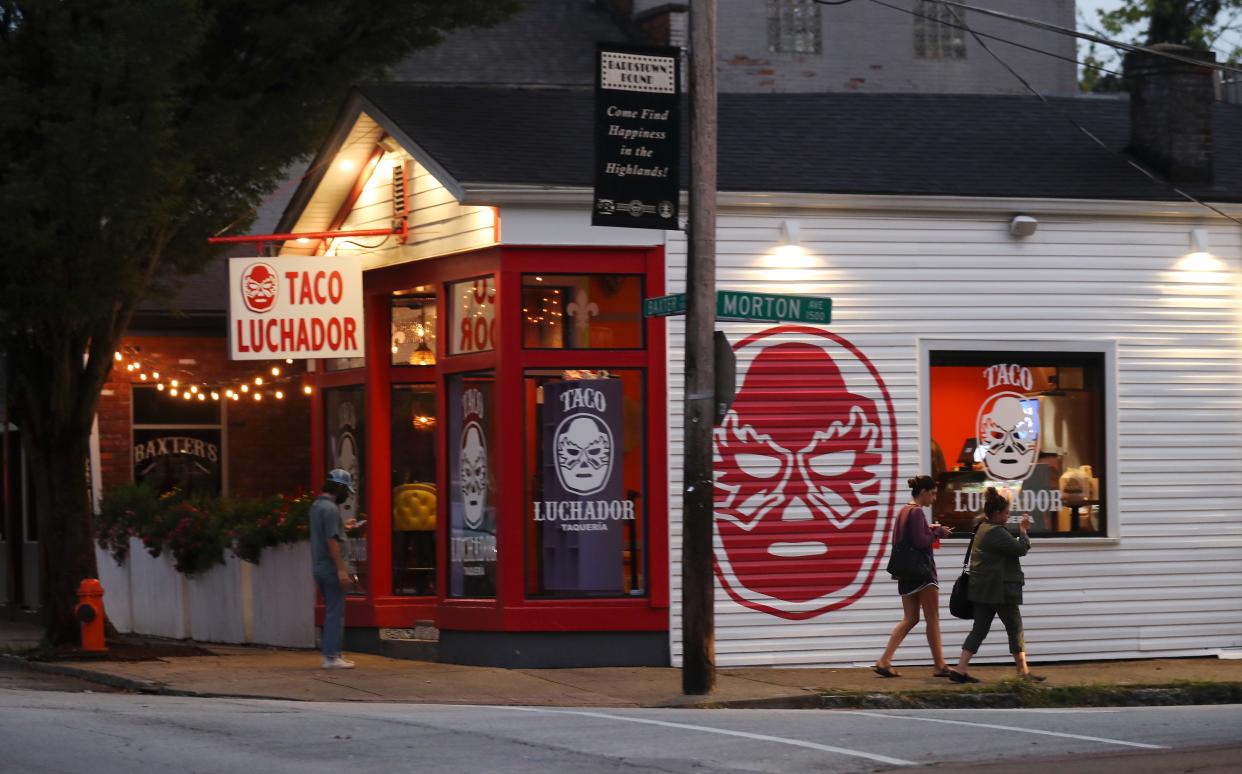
x=698 y=627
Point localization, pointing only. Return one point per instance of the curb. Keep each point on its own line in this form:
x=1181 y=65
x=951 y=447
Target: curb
x=1025 y=697
x=128 y=684
x=1007 y=697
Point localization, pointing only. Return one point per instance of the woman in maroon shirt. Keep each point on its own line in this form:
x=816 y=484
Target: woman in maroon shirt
x=924 y=593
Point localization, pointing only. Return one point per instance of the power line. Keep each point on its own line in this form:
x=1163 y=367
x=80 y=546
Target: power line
x=1050 y=27
x=1142 y=169
x=997 y=38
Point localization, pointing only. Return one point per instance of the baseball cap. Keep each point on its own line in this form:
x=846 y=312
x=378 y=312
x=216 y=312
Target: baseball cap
x=342 y=476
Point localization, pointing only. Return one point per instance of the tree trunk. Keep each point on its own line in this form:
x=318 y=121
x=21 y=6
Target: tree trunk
x=62 y=506
x=58 y=376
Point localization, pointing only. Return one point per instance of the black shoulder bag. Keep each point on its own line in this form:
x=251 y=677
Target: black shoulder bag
x=907 y=562
x=959 y=601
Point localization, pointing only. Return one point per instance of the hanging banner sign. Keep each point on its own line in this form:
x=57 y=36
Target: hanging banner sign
x=583 y=510
x=472 y=487
x=637 y=151
x=295 y=307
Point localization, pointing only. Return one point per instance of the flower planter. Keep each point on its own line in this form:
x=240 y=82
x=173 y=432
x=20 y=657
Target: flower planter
x=115 y=581
x=160 y=594
x=283 y=597
x=217 y=605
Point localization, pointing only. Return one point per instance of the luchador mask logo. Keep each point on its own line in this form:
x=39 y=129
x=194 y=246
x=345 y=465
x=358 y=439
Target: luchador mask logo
x=583 y=453
x=805 y=471
x=1009 y=434
x=473 y=474
x=258 y=287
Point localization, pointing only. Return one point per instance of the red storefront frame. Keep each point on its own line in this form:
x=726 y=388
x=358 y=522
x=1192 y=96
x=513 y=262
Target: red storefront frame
x=510 y=611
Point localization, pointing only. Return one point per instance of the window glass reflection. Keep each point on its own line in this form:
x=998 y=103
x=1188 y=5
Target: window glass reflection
x=414 y=489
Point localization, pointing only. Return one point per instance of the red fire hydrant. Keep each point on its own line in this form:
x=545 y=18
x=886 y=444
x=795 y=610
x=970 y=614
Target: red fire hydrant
x=90 y=612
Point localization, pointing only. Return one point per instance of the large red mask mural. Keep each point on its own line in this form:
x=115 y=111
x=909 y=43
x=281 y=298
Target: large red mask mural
x=805 y=470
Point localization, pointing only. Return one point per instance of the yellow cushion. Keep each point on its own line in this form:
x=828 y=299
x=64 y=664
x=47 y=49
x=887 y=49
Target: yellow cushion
x=414 y=508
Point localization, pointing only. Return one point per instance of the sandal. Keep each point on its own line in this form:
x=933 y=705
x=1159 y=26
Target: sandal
x=1033 y=678
x=946 y=672
x=884 y=671
x=961 y=677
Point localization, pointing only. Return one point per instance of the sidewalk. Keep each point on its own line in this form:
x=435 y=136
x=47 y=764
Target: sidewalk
x=259 y=672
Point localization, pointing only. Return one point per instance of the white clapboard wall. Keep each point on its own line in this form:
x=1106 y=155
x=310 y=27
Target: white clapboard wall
x=1169 y=585
x=439 y=224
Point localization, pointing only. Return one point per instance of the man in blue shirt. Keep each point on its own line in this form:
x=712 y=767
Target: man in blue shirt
x=328 y=562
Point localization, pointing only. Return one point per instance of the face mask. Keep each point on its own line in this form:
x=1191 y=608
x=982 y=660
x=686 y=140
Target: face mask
x=342 y=495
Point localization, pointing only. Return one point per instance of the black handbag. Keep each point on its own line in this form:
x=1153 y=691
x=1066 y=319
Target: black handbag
x=959 y=601
x=907 y=562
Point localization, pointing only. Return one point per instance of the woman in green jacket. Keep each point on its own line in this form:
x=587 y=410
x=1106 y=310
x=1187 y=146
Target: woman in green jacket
x=996 y=585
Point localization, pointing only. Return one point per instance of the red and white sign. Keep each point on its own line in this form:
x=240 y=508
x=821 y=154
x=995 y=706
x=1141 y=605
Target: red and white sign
x=805 y=474
x=473 y=322
x=296 y=307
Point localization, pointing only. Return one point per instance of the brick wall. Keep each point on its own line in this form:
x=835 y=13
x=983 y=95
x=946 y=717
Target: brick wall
x=266 y=444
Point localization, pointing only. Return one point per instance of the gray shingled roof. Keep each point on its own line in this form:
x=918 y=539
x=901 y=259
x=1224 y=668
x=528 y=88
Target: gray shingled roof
x=547 y=42
x=916 y=144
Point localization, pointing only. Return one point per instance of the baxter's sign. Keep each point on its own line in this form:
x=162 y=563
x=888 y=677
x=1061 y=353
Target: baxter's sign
x=636 y=137
x=295 y=307
x=750 y=307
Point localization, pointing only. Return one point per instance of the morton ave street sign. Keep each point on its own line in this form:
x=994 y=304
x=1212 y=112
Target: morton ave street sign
x=750 y=307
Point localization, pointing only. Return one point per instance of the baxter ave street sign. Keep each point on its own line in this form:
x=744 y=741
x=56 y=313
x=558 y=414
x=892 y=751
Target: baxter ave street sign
x=750 y=307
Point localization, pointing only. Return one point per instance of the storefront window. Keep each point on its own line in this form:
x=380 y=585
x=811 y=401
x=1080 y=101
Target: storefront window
x=472 y=316
x=584 y=511
x=582 y=311
x=344 y=425
x=472 y=466
x=176 y=443
x=414 y=330
x=414 y=489
x=1030 y=424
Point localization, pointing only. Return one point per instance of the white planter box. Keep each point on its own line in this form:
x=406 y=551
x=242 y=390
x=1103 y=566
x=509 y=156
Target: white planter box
x=160 y=594
x=217 y=607
x=272 y=603
x=115 y=581
x=283 y=595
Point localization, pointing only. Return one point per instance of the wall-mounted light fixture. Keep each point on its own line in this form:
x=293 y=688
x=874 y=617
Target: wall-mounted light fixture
x=791 y=233
x=1199 y=242
x=1023 y=225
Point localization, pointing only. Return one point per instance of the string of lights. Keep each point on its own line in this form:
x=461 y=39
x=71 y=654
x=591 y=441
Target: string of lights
x=275 y=382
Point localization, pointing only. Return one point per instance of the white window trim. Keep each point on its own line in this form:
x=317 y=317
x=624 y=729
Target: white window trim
x=1112 y=534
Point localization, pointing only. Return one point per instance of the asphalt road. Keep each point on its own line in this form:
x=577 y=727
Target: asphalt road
x=43 y=731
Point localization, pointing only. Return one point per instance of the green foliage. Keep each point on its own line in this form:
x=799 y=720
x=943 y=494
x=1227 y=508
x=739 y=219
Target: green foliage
x=269 y=523
x=124 y=512
x=1194 y=23
x=1201 y=24
x=196 y=532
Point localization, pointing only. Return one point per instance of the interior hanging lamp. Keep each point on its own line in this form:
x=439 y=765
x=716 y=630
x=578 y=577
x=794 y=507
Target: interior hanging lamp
x=422 y=354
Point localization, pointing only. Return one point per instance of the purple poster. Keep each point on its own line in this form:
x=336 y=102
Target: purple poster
x=582 y=512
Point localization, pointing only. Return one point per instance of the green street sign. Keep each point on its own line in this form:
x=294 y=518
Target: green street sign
x=663 y=306
x=766 y=307
x=750 y=307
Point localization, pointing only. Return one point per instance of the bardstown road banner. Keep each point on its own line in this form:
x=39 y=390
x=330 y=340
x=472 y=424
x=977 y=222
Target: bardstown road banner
x=295 y=307
x=637 y=155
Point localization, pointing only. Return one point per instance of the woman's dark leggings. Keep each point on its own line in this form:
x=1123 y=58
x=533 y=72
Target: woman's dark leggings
x=1010 y=617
